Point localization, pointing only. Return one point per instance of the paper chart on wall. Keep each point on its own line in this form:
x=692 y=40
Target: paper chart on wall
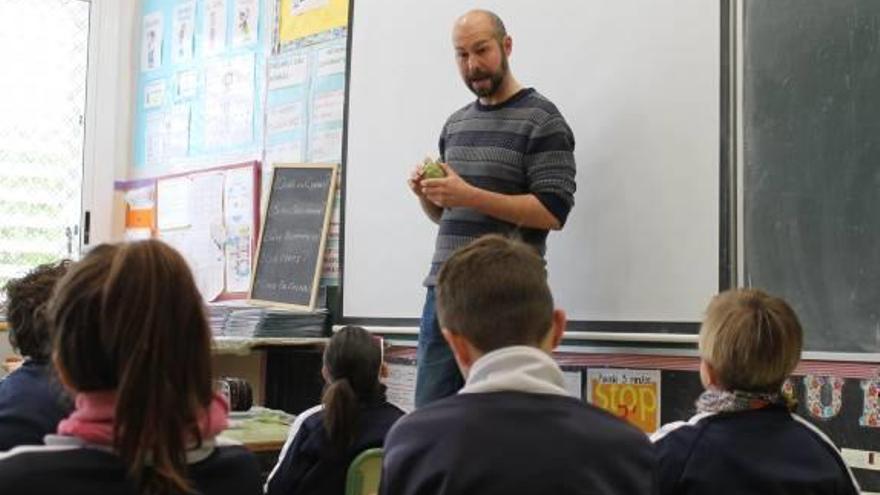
x=239 y=219
x=208 y=234
x=325 y=145
x=154 y=94
x=287 y=69
x=401 y=386
x=633 y=395
x=302 y=18
x=286 y=117
x=229 y=101
x=331 y=60
x=187 y=84
x=154 y=139
x=173 y=199
x=214 y=26
x=247 y=16
x=574 y=383
x=328 y=107
x=177 y=131
x=151 y=42
x=182 y=32
x=331 y=273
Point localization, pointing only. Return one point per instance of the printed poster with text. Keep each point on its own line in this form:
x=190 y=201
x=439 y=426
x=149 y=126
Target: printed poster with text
x=633 y=395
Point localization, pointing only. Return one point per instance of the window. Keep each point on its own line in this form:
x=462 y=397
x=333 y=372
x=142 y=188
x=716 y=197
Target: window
x=44 y=49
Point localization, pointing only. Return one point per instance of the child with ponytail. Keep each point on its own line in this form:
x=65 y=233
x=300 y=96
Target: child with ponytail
x=353 y=416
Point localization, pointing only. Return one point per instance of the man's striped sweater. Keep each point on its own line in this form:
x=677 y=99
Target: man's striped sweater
x=520 y=146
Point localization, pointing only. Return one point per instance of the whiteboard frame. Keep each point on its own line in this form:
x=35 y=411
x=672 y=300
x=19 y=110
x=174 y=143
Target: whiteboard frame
x=685 y=332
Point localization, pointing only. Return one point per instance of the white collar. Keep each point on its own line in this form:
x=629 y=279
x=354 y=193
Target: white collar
x=518 y=369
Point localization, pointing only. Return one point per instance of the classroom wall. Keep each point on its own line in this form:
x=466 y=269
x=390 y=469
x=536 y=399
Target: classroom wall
x=107 y=150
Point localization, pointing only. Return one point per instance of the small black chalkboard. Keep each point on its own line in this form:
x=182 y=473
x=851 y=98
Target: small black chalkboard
x=292 y=238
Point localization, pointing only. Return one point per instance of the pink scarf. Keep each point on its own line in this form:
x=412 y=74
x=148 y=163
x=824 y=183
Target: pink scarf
x=92 y=419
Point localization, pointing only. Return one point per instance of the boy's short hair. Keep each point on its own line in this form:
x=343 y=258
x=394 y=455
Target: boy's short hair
x=26 y=309
x=751 y=339
x=494 y=292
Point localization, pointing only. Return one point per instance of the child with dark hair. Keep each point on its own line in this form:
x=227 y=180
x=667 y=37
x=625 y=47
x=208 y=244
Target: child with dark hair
x=32 y=402
x=354 y=416
x=513 y=428
x=132 y=342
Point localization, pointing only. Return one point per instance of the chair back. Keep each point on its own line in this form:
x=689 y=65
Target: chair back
x=364 y=473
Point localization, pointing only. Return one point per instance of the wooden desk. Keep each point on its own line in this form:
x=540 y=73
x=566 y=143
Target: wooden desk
x=260 y=429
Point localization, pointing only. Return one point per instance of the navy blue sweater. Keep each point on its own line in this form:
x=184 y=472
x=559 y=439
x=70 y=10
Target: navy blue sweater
x=503 y=443
x=767 y=451
x=311 y=466
x=87 y=470
x=32 y=402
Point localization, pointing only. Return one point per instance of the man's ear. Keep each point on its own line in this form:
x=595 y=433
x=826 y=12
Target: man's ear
x=383 y=371
x=507 y=44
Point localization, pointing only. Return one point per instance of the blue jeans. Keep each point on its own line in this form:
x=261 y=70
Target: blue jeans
x=437 y=375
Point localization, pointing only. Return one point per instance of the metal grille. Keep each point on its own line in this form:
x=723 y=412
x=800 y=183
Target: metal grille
x=43 y=52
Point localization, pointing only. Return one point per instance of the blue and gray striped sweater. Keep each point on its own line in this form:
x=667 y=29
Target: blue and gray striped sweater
x=521 y=146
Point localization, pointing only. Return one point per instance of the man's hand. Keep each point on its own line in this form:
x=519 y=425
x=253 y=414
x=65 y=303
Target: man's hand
x=415 y=181
x=450 y=191
x=416 y=178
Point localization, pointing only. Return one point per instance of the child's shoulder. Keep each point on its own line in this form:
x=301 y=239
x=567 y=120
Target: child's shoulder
x=686 y=429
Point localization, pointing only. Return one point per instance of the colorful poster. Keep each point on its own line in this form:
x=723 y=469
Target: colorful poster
x=151 y=43
x=182 y=32
x=633 y=395
x=302 y=18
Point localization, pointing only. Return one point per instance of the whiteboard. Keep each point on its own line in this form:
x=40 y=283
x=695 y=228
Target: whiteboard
x=638 y=82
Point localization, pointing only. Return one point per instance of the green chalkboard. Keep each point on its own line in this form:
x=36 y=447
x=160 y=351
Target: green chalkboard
x=811 y=164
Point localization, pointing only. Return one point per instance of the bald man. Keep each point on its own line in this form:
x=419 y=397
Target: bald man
x=509 y=163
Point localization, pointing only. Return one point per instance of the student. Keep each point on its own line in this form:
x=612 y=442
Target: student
x=32 y=402
x=512 y=428
x=744 y=439
x=354 y=416
x=131 y=340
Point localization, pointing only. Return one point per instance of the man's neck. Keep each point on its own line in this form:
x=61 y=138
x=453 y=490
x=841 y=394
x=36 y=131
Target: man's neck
x=509 y=87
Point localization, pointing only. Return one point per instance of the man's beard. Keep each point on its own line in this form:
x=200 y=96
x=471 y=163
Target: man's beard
x=495 y=79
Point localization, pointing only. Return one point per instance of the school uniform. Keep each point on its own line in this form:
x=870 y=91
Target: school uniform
x=514 y=429
x=72 y=466
x=309 y=464
x=768 y=451
x=32 y=402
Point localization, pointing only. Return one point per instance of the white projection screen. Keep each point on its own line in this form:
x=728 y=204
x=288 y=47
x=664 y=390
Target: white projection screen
x=638 y=82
